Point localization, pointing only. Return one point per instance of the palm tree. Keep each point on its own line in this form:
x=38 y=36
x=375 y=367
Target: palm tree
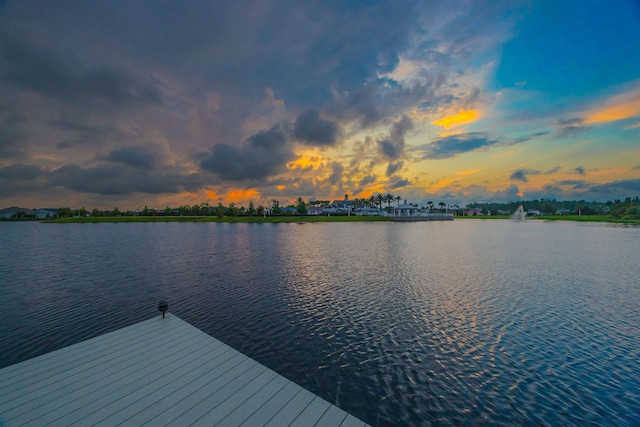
x=441 y=205
x=365 y=204
x=398 y=199
x=379 y=200
x=389 y=198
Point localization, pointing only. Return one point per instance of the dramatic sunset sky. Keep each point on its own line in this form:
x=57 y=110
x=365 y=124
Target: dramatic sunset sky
x=134 y=103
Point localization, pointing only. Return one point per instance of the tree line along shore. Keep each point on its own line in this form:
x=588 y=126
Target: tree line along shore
x=376 y=208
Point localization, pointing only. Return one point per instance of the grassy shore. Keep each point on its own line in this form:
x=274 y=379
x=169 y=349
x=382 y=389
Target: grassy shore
x=249 y=219
x=580 y=218
x=589 y=218
x=300 y=219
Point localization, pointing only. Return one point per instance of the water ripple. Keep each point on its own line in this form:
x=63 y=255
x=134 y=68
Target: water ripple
x=464 y=323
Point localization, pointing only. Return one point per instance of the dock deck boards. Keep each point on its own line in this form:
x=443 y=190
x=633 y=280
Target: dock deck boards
x=156 y=372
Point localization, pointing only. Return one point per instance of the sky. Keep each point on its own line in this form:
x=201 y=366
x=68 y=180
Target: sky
x=155 y=103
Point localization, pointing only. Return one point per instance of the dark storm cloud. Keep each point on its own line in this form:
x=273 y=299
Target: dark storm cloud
x=380 y=100
x=367 y=180
x=313 y=130
x=521 y=174
x=392 y=147
x=570 y=127
x=579 y=170
x=139 y=156
x=451 y=146
x=11 y=137
x=616 y=188
x=21 y=179
x=49 y=73
x=120 y=179
x=397 y=182
x=518 y=176
x=394 y=167
x=263 y=155
x=510 y=193
x=387 y=61
x=548 y=191
x=337 y=172
x=364 y=105
x=78 y=133
x=20 y=171
x=203 y=67
x=388 y=149
x=239 y=48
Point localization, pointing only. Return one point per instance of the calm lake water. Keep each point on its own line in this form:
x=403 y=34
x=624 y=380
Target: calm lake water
x=446 y=323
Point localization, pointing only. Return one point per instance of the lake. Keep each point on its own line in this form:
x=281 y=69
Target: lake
x=468 y=322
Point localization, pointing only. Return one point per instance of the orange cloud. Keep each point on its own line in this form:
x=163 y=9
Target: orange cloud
x=469 y=172
x=457 y=119
x=446 y=133
x=617 y=108
x=303 y=163
x=443 y=183
x=306 y=159
x=241 y=195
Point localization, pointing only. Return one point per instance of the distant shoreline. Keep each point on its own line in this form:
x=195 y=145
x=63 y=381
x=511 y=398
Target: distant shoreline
x=311 y=219
x=575 y=218
x=226 y=219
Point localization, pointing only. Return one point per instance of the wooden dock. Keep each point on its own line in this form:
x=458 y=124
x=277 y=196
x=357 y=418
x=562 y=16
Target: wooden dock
x=156 y=372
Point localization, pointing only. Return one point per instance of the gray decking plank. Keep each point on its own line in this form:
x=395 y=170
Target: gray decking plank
x=256 y=398
x=333 y=417
x=213 y=398
x=312 y=413
x=170 y=406
x=48 y=366
x=156 y=372
x=174 y=369
x=60 y=385
x=165 y=388
x=292 y=409
x=49 y=388
x=278 y=401
x=7 y=372
x=199 y=395
x=76 y=411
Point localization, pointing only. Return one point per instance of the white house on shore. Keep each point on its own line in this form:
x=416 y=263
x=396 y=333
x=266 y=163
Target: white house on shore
x=408 y=212
x=406 y=209
x=344 y=205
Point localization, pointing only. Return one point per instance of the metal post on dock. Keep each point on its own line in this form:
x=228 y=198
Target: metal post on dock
x=163 y=306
